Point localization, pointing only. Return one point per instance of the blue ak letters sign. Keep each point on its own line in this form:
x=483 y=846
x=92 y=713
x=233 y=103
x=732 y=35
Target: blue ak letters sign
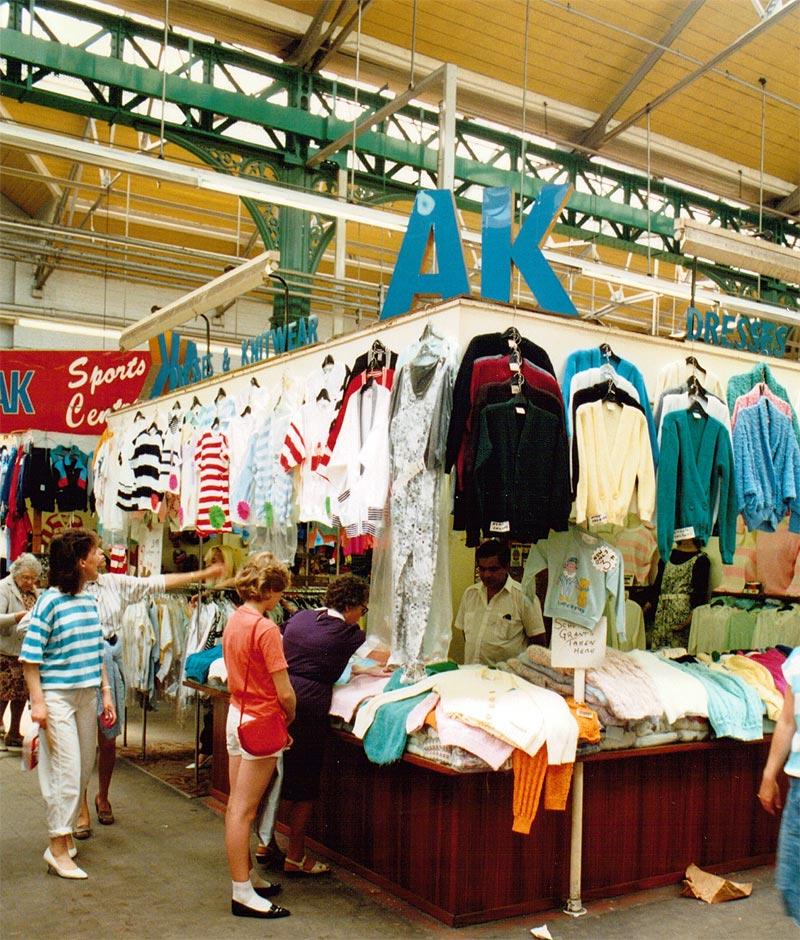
x=433 y=219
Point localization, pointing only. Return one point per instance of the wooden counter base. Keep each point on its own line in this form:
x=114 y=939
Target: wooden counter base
x=442 y=840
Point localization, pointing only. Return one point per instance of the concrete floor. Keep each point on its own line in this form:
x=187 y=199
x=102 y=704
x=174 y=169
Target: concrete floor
x=160 y=872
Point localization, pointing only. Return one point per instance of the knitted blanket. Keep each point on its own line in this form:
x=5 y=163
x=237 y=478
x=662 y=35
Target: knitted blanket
x=628 y=689
x=557 y=682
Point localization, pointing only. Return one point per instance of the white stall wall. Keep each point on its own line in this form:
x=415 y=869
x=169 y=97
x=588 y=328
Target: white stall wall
x=463 y=319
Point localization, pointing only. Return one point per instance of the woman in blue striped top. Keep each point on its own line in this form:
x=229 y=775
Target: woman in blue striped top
x=62 y=657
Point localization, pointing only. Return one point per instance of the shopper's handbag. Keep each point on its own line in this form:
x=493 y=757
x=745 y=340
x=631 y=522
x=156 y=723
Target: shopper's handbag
x=260 y=736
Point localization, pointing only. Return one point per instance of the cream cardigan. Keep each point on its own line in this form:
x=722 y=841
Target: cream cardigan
x=614 y=455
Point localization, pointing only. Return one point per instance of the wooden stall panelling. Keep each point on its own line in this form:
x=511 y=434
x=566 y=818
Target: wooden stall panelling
x=442 y=840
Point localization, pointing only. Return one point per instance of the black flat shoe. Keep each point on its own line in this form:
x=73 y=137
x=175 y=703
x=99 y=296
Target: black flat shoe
x=268 y=890
x=271 y=858
x=242 y=910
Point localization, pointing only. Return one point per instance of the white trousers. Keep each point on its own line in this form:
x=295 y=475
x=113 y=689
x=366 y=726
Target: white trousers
x=66 y=754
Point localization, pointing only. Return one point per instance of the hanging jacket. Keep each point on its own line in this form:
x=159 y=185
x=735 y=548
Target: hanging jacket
x=767 y=461
x=695 y=473
x=71 y=472
x=616 y=461
x=488 y=344
x=593 y=358
x=521 y=472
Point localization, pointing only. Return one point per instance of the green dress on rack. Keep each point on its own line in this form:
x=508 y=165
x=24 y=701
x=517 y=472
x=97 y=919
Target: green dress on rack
x=674 y=610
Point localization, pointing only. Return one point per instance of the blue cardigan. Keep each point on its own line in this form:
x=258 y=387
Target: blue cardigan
x=695 y=473
x=767 y=459
x=583 y=359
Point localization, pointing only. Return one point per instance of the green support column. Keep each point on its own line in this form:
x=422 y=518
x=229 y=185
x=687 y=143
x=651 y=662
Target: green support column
x=294 y=245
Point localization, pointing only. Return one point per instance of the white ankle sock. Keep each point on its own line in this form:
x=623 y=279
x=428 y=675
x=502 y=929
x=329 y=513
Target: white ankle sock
x=243 y=892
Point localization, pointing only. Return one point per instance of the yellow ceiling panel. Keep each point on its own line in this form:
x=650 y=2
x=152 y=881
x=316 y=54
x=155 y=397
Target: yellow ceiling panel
x=580 y=53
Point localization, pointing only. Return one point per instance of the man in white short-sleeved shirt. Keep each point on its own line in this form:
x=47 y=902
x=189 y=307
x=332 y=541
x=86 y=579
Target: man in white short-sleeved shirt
x=497 y=620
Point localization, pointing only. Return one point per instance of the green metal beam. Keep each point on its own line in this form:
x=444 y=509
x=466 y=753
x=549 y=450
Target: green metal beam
x=292 y=133
x=101 y=70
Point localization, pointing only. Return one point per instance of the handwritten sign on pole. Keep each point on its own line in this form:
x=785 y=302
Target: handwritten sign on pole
x=575 y=647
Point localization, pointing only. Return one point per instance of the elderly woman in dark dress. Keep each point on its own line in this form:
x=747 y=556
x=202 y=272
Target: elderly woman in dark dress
x=317 y=645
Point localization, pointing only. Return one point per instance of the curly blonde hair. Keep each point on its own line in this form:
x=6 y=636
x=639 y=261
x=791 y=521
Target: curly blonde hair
x=260 y=575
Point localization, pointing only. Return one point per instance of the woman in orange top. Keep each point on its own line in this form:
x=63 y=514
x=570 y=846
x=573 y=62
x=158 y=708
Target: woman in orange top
x=253 y=652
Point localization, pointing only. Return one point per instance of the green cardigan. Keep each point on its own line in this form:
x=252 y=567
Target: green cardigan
x=694 y=470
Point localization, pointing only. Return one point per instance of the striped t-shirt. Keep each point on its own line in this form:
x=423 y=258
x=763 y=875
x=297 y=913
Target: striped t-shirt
x=65 y=638
x=114 y=592
x=791 y=671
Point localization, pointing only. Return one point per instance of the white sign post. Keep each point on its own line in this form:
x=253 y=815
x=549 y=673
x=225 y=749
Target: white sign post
x=576 y=647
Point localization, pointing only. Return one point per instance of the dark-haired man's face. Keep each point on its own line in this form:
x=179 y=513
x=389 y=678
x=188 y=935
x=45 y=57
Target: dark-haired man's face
x=492 y=573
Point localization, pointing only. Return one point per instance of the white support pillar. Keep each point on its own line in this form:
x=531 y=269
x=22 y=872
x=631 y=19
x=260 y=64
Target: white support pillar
x=574 y=906
x=446 y=169
x=340 y=248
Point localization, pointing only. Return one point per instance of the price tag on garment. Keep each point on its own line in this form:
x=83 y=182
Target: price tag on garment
x=519 y=411
x=598 y=519
x=573 y=646
x=628 y=580
x=514 y=366
x=605 y=559
x=499 y=526
x=686 y=533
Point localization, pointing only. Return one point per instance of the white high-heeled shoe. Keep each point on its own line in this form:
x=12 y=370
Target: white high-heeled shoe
x=53 y=868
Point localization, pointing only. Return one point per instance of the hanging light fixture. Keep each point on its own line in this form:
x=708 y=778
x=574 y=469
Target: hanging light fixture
x=739 y=251
x=222 y=289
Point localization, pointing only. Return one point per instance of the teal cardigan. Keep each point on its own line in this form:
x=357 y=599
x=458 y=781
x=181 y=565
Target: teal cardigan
x=694 y=470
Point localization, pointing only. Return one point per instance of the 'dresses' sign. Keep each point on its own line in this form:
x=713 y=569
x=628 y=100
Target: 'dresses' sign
x=67 y=391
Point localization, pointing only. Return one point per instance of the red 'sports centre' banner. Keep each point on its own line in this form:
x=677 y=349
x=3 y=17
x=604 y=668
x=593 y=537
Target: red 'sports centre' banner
x=66 y=391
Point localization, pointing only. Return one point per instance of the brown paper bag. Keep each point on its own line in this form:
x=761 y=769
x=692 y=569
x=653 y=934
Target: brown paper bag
x=711 y=888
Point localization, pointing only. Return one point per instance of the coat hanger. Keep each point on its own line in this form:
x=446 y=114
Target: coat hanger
x=196 y=403
x=327 y=361
x=610 y=393
x=608 y=353
x=220 y=395
x=377 y=356
x=691 y=361
x=323 y=393
x=695 y=389
x=696 y=408
x=254 y=381
x=513 y=336
x=517 y=383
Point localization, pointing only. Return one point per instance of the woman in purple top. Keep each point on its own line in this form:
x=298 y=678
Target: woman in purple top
x=317 y=645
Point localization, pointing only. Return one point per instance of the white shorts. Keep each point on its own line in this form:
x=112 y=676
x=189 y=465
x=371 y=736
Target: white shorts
x=232 y=743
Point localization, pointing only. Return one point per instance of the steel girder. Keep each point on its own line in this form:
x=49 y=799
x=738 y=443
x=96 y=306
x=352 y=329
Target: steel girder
x=224 y=95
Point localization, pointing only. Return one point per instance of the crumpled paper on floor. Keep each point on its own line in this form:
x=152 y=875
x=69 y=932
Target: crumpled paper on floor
x=711 y=888
x=542 y=932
